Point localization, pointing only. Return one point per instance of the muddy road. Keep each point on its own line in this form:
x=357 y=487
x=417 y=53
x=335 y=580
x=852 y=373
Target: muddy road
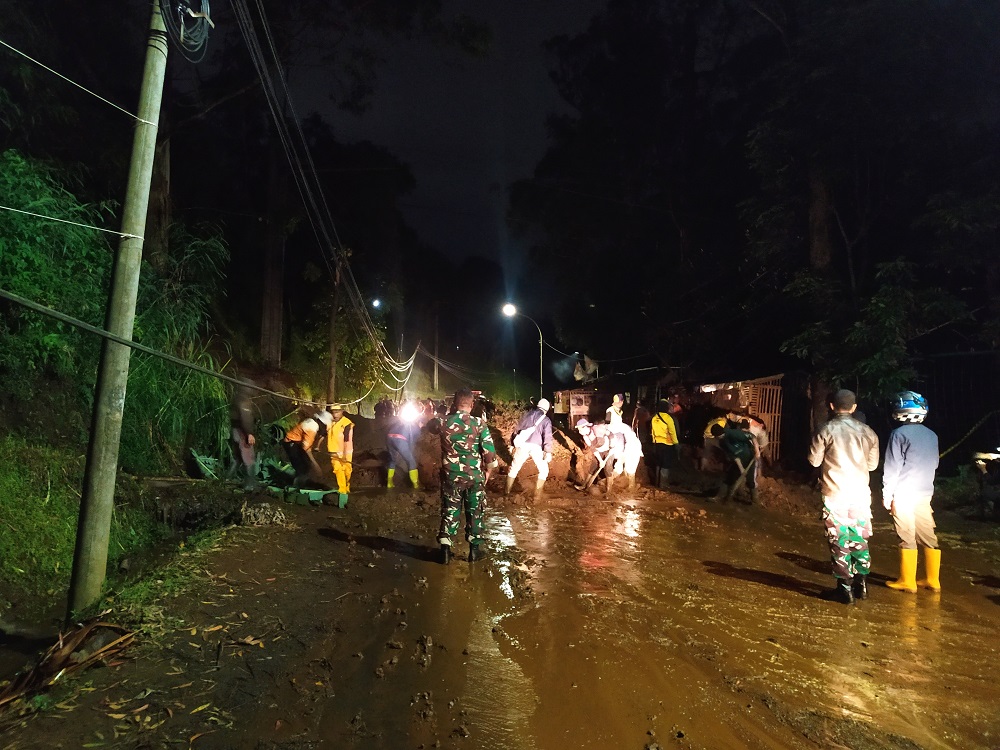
x=636 y=621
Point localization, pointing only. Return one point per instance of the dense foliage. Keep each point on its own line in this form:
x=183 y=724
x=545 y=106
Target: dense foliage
x=39 y=504
x=739 y=181
x=67 y=267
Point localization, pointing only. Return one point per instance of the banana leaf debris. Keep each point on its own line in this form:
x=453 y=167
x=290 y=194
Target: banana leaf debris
x=88 y=643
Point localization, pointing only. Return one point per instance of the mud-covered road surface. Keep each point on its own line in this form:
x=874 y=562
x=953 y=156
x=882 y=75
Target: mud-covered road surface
x=640 y=620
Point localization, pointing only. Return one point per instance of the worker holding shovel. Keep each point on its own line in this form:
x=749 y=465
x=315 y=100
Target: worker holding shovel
x=741 y=450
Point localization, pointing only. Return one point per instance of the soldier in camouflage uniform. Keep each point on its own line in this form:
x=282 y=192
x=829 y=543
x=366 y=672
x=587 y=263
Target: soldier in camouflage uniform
x=468 y=456
x=845 y=450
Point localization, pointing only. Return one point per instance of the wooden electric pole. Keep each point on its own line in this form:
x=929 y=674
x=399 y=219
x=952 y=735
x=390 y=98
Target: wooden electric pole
x=331 y=383
x=97 y=503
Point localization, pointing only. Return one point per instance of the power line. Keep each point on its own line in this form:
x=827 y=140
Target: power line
x=148 y=350
x=309 y=187
x=67 y=221
x=71 y=81
x=191 y=38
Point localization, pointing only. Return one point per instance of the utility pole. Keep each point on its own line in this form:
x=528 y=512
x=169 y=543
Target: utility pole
x=331 y=383
x=90 y=559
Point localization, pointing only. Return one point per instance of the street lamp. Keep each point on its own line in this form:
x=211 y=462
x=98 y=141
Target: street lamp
x=510 y=311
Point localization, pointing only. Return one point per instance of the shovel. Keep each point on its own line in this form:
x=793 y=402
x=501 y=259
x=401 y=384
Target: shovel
x=590 y=481
x=742 y=478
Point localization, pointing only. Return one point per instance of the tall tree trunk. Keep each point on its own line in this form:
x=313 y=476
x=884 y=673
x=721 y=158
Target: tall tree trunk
x=156 y=246
x=331 y=386
x=820 y=223
x=272 y=305
x=820 y=261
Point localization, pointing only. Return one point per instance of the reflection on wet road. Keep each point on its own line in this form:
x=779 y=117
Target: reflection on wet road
x=660 y=623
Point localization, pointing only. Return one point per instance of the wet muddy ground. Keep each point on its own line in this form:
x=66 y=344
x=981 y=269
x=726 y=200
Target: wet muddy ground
x=640 y=620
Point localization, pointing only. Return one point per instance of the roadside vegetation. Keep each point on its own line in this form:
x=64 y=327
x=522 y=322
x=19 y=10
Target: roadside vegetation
x=39 y=505
x=49 y=370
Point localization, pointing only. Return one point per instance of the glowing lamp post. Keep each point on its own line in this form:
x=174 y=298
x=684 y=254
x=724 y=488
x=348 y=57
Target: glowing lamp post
x=510 y=311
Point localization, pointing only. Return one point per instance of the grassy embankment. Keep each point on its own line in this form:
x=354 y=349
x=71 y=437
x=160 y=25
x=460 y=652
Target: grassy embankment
x=39 y=506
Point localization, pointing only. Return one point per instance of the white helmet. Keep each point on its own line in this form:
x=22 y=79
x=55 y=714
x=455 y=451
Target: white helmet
x=909 y=406
x=543 y=404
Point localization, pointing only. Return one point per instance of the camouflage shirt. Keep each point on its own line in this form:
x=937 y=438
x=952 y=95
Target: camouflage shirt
x=466 y=445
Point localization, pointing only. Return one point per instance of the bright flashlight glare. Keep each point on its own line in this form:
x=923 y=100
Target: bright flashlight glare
x=376 y=303
x=409 y=412
x=509 y=310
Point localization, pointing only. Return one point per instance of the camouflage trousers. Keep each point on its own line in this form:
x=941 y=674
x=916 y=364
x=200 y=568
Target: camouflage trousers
x=455 y=497
x=848 y=539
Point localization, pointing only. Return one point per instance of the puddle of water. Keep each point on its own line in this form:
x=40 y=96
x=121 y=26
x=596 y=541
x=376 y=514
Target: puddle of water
x=635 y=632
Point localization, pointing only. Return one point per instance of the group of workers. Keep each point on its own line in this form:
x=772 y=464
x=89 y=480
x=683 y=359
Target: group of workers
x=845 y=450
x=331 y=432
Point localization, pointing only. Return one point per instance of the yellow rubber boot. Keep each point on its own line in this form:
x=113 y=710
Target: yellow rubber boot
x=415 y=479
x=932 y=562
x=389 y=483
x=907 y=572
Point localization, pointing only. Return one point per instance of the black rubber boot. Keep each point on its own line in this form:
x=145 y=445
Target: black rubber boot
x=860 y=587
x=663 y=480
x=445 y=554
x=841 y=593
x=476 y=553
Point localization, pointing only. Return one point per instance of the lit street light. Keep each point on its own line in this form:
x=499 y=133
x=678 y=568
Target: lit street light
x=510 y=311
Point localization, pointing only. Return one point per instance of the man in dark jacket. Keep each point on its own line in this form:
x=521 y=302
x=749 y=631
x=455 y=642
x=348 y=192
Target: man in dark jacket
x=532 y=439
x=911 y=461
x=741 y=455
x=241 y=434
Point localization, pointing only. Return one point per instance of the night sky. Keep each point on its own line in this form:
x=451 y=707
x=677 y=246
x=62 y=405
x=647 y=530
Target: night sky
x=739 y=193
x=467 y=127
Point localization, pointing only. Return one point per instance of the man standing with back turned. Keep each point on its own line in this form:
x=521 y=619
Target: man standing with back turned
x=846 y=450
x=468 y=456
x=911 y=460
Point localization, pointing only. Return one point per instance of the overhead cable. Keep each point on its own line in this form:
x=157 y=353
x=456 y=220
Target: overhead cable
x=188 y=28
x=145 y=349
x=67 y=221
x=82 y=88
x=300 y=160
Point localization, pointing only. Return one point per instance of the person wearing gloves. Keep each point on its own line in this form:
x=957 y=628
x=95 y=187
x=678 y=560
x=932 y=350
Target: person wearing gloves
x=911 y=461
x=532 y=439
x=845 y=451
x=298 y=444
x=340 y=444
x=615 y=446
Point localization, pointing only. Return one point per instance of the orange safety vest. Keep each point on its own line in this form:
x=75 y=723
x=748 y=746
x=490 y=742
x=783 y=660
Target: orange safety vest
x=304 y=432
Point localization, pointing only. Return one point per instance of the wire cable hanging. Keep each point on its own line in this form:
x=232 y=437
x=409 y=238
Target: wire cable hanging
x=74 y=83
x=320 y=206
x=67 y=221
x=316 y=207
x=148 y=350
x=188 y=28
